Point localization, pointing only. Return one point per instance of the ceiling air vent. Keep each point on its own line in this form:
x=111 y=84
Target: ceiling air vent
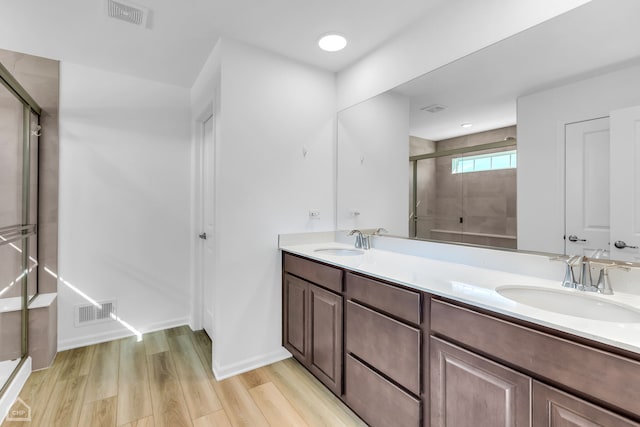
x=435 y=108
x=128 y=12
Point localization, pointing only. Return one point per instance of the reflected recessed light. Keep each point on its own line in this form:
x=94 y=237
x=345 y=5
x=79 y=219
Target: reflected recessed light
x=466 y=125
x=332 y=42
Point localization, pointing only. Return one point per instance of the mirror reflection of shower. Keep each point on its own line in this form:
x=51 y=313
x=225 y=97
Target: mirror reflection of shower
x=463 y=189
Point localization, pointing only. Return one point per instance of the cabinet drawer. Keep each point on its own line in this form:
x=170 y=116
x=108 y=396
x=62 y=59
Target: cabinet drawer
x=376 y=400
x=398 y=302
x=320 y=274
x=585 y=370
x=388 y=345
x=552 y=407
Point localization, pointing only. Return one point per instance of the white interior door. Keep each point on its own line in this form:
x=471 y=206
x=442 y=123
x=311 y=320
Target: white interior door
x=587 y=219
x=625 y=184
x=207 y=236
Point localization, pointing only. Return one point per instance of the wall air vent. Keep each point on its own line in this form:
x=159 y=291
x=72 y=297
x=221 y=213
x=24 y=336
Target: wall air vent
x=435 y=108
x=128 y=12
x=88 y=314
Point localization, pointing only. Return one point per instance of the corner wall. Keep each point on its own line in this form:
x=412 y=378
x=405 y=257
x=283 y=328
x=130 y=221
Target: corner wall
x=124 y=202
x=271 y=110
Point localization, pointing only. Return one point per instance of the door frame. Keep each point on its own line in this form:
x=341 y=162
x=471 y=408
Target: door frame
x=197 y=220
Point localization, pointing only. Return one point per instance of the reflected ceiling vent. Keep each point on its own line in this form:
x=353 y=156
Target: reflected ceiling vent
x=128 y=12
x=435 y=108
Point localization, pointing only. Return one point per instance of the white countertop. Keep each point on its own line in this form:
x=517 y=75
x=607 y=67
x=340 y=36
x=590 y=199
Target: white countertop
x=477 y=286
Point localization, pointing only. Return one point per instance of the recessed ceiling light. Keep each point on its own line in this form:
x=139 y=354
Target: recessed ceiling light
x=332 y=42
x=466 y=125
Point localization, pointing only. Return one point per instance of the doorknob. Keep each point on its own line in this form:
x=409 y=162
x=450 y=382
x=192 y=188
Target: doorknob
x=203 y=236
x=621 y=245
x=574 y=238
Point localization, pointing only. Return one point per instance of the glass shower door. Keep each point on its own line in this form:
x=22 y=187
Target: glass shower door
x=11 y=242
x=18 y=218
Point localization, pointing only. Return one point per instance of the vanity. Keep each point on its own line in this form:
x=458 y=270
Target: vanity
x=412 y=341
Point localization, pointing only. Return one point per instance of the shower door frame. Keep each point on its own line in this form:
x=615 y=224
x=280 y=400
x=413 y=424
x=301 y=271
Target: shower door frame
x=25 y=230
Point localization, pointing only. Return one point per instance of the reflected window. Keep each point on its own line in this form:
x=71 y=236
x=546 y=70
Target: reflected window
x=484 y=162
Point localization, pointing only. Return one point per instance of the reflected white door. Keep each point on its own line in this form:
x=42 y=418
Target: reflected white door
x=625 y=183
x=208 y=205
x=587 y=219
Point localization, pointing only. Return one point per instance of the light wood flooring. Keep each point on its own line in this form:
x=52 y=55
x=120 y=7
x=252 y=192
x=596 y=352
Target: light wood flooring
x=166 y=380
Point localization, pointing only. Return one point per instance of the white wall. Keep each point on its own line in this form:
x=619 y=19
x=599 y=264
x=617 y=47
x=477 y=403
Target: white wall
x=124 y=201
x=271 y=108
x=373 y=165
x=450 y=31
x=541 y=122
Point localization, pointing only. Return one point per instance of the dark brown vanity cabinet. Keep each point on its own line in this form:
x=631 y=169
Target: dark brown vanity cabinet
x=383 y=345
x=312 y=319
x=554 y=408
x=413 y=359
x=474 y=382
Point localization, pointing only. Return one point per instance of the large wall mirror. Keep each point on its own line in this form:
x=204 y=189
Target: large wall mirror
x=532 y=143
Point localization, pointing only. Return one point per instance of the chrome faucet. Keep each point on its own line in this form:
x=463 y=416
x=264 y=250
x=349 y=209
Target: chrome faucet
x=362 y=241
x=585 y=280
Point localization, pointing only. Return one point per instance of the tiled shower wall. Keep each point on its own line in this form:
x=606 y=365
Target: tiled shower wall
x=486 y=201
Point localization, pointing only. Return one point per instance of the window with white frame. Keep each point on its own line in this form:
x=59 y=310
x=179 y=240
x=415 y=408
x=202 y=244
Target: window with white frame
x=484 y=162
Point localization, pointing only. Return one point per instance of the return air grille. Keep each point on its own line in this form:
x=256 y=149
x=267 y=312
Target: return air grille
x=127 y=12
x=87 y=314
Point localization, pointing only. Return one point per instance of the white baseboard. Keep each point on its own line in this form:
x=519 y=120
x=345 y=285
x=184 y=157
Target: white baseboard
x=9 y=397
x=118 y=334
x=224 y=372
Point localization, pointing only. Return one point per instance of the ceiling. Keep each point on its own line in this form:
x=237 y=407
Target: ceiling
x=482 y=88
x=183 y=33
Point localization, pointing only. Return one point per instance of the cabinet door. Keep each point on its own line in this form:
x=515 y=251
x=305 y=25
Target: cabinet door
x=469 y=390
x=326 y=337
x=554 y=408
x=295 y=317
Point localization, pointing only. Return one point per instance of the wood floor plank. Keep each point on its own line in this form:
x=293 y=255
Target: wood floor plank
x=197 y=389
x=144 y=422
x=155 y=342
x=99 y=413
x=275 y=407
x=217 y=419
x=238 y=404
x=254 y=378
x=316 y=405
x=77 y=362
x=169 y=406
x=102 y=381
x=203 y=346
x=65 y=403
x=179 y=330
x=134 y=396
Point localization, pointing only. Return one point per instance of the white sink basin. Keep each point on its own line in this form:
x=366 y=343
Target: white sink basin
x=572 y=303
x=340 y=251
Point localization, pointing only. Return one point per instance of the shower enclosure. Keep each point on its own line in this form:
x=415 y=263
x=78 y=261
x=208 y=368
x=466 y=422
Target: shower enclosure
x=19 y=132
x=465 y=194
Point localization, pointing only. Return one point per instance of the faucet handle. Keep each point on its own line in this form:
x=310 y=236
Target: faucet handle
x=604 y=283
x=379 y=231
